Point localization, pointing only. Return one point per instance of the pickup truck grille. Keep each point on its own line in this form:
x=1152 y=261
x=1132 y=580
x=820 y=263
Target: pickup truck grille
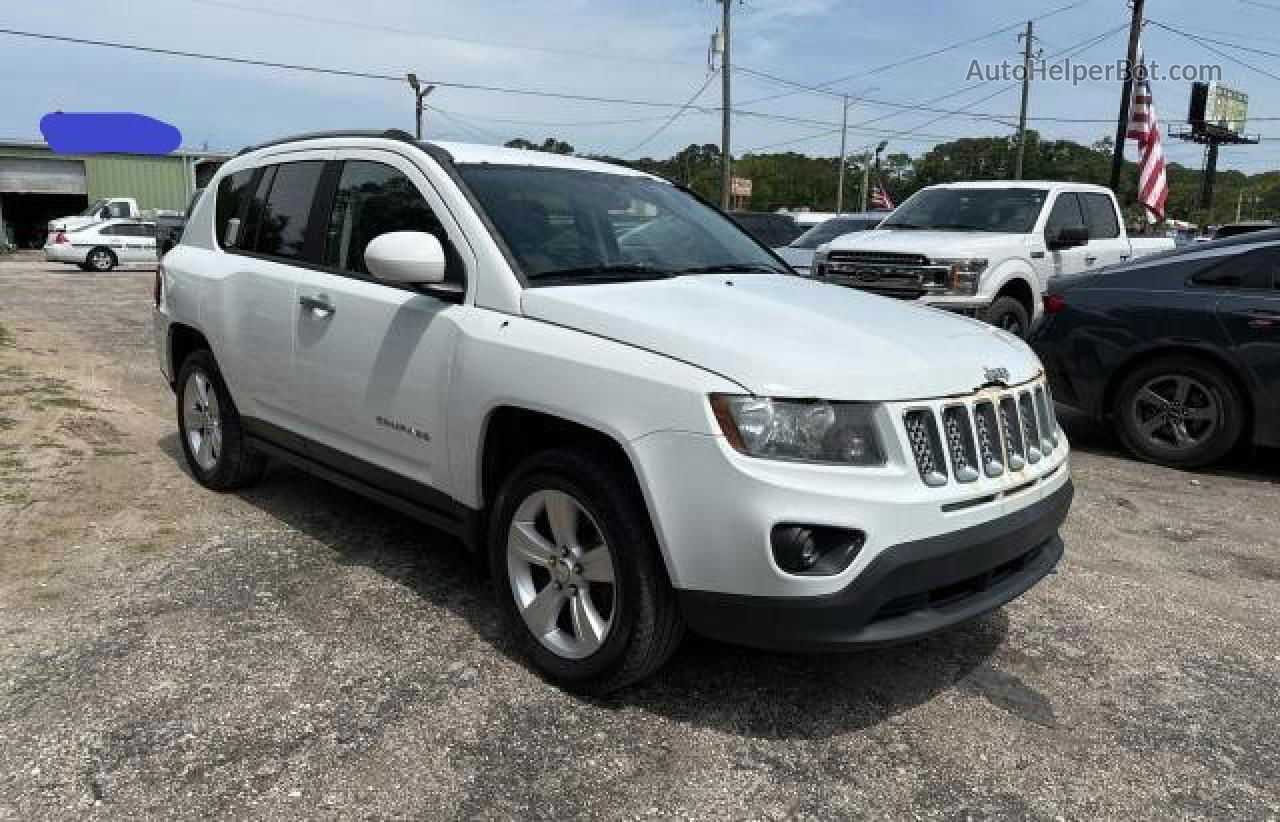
x=988 y=435
x=876 y=258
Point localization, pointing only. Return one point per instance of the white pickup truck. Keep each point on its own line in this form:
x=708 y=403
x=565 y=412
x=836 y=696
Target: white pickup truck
x=986 y=249
x=114 y=208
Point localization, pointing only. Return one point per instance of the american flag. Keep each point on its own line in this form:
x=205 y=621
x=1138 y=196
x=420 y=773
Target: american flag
x=1144 y=129
x=880 y=198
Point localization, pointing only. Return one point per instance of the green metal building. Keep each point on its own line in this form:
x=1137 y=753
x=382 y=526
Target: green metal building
x=37 y=185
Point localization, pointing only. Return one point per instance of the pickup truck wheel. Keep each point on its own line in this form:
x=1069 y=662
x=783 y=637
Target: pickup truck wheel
x=578 y=574
x=1011 y=315
x=101 y=259
x=1180 y=412
x=209 y=427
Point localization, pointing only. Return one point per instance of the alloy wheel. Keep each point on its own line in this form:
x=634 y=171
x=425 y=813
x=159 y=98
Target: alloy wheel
x=202 y=421
x=100 y=260
x=561 y=573
x=1175 y=411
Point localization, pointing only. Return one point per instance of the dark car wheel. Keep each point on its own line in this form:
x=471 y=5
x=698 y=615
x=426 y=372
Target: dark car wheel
x=101 y=259
x=209 y=428
x=1179 y=411
x=578 y=573
x=1009 y=314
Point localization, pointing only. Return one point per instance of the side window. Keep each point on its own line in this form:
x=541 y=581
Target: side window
x=1066 y=211
x=1256 y=269
x=232 y=192
x=372 y=199
x=146 y=230
x=1101 y=215
x=282 y=225
x=118 y=209
x=253 y=210
x=109 y=231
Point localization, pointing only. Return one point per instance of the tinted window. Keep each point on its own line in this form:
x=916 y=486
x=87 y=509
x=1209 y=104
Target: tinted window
x=282 y=226
x=232 y=192
x=555 y=220
x=146 y=230
x=1003 y=210
x=1066 y=211
x=253 y=210
x=374 y=199
x=1101 y=216
x=118 y=209
x=111 y=230
x=1256 y=269
x=773 y=230
x=829 y=230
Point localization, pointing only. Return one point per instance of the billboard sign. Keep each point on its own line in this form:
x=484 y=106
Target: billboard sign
x=1227 y=108
x=740 y=186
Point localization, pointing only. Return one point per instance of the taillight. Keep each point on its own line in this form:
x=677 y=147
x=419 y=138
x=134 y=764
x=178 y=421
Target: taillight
x=1054 y=303
x=158 y=289
x=59 y=238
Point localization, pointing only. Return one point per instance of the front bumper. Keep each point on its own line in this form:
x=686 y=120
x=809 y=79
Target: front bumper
x=910 y=590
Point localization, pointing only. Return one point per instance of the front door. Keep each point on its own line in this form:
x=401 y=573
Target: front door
x=1066 y=211
x=372 y=359
x=1106 y=245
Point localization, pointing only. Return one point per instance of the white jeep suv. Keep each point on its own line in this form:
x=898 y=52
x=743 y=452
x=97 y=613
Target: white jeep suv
x=626 y=407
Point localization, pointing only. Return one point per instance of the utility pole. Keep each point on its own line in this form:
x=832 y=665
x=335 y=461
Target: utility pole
x=725 y=171
x=844 y=132
x=1026 y=92
x=1126 y=96
x=419 y=93
x=1239 y=204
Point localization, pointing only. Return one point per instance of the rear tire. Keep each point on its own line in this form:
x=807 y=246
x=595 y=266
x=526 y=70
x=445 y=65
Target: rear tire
x=209 y=428
x=1011 y=315
x=1179 y=411
x=101 y=260
x=632 y=624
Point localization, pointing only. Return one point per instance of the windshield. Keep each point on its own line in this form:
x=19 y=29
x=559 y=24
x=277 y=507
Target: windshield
x=587 y=226
x=1002 y=210
x=92 y=211
x=828 y=231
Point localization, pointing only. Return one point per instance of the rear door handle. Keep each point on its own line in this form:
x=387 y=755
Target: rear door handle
x=1262 y=317
x=319 y=305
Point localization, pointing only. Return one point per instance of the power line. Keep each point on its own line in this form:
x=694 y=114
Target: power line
x=674 y=115
x=1203 y=44
x=362 y=75
x=922 y=56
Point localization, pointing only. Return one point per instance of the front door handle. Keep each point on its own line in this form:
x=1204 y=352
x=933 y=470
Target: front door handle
x=1090 y=259
x=319 y=306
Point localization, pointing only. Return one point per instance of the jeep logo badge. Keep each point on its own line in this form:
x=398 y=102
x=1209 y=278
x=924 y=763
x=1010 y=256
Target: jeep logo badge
x=1000 y=375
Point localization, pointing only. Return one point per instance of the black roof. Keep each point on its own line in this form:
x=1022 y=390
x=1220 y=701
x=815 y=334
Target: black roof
x=389 y=134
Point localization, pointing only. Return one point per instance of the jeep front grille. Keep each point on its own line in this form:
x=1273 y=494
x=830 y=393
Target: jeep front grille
x=966 y=441
x=926 y=447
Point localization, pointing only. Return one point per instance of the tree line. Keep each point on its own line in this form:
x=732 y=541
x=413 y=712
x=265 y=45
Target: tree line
x=792 y=180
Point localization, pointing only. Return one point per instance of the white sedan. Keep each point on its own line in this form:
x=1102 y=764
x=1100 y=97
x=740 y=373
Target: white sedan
x=104 y=245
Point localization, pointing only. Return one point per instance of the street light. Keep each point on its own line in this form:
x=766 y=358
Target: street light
x=844 y=133
x=418 y=94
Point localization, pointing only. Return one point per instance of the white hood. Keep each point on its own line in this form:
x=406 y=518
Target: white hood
x=932 y=243
x=785 y=336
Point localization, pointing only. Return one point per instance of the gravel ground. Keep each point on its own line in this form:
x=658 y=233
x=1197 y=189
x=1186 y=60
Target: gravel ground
x=294 y=651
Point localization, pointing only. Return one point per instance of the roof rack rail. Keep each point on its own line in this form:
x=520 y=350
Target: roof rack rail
x=389 y=134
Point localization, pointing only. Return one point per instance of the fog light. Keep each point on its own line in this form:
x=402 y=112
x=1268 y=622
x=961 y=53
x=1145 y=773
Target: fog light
x=814 y=550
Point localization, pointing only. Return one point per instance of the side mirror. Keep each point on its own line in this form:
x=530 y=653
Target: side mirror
x=1068 y=236
x=410 y=257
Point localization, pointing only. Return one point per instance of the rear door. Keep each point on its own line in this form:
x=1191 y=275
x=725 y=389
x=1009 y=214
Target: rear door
x=372 y=359
x=1107 y=245
x=1249 y=310
x=262 y=221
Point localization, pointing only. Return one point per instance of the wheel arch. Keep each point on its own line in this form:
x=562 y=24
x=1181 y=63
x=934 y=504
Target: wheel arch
x=183 y=341
x=1210 y=357
x=512 y=433
x=1019 y=287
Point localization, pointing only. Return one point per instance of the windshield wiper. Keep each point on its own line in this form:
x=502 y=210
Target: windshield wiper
x=615 y=272
x=960 y=227
x=733 y=268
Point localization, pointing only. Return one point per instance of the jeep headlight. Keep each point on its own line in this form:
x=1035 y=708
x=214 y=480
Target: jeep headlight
x=961 y=275
x=841 y=433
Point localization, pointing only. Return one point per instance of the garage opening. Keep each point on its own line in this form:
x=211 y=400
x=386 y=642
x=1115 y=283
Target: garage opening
x=27 y=216
x=35 y=190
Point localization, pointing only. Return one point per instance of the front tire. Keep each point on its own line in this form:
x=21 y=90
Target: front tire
x=1180 y=412
x=1011 y=315
x=101 y=260
x=209 y=428
x=578 y=573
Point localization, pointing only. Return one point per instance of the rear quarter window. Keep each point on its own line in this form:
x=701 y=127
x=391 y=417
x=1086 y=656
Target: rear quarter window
x=233 y=192
x=1100 y=216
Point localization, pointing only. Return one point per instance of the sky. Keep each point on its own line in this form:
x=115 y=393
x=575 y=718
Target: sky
x=633 y=50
